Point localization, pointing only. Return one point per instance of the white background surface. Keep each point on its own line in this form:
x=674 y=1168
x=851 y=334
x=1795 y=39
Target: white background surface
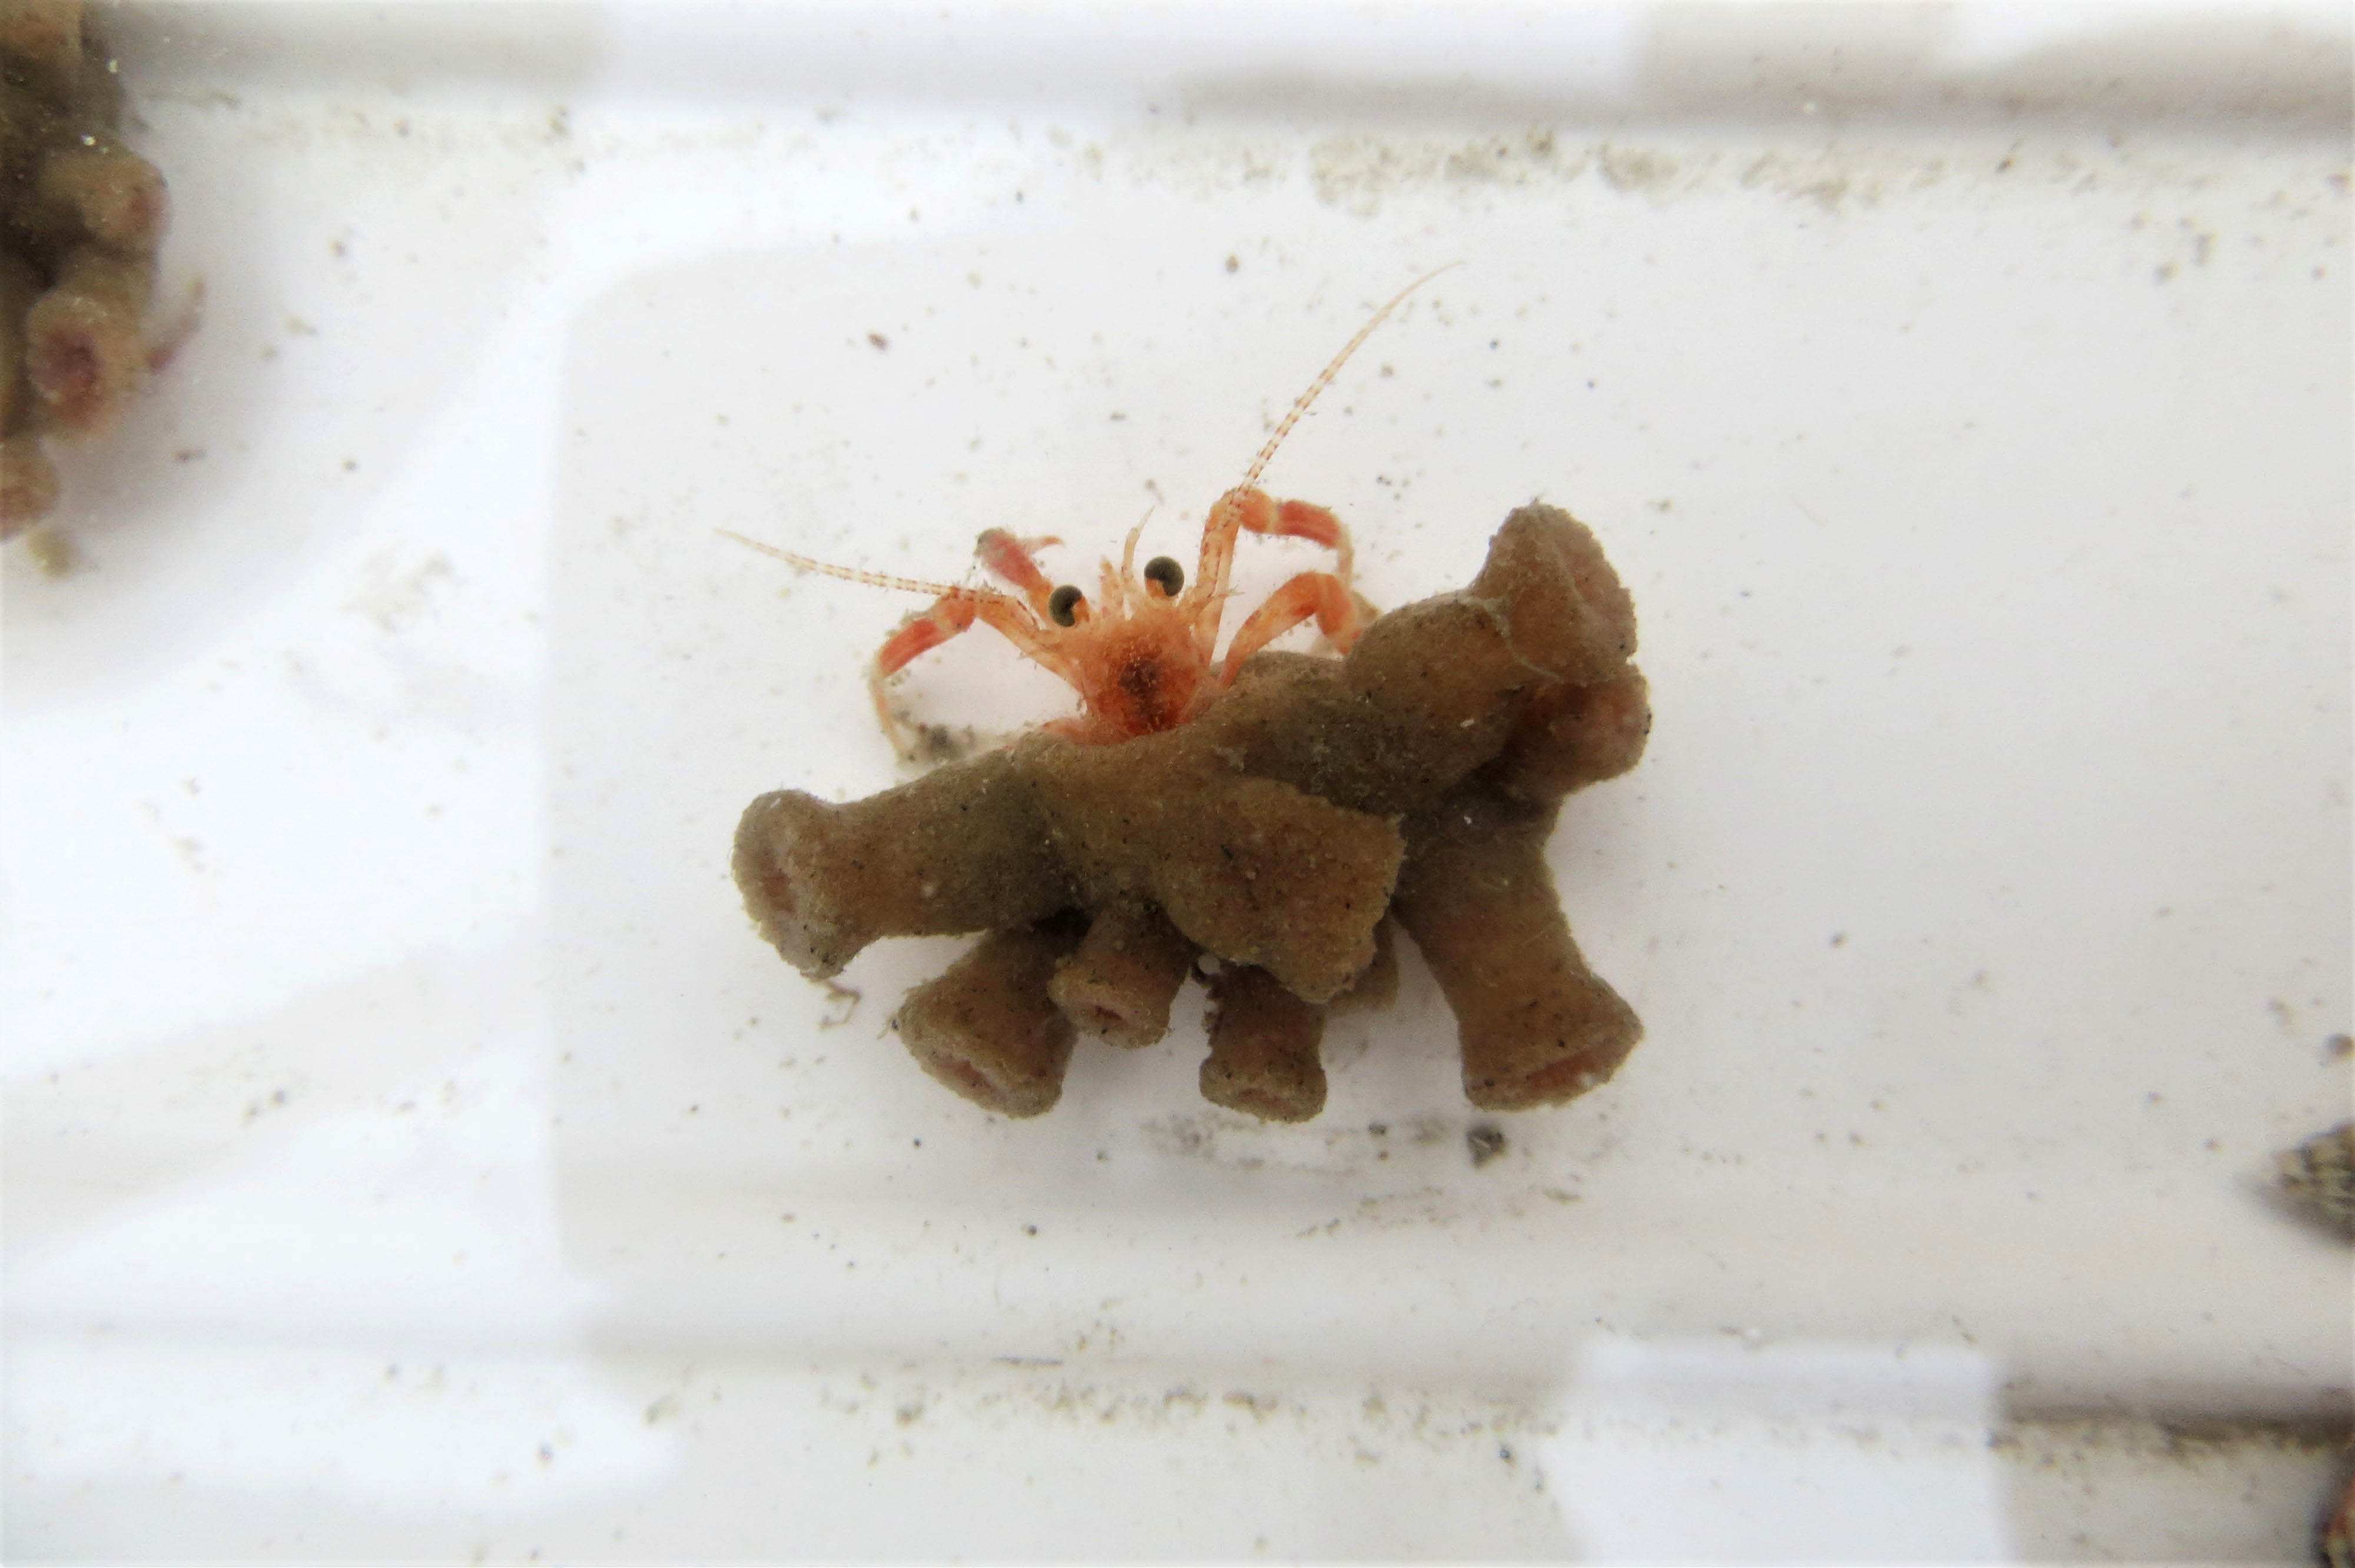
x=411 y=1152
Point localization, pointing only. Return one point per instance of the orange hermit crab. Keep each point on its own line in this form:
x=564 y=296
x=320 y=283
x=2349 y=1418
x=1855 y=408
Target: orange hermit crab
x=1141 y=656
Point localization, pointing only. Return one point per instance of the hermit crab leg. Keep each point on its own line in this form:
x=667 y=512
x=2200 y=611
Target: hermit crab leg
x=1008 y=558
x=1207 y=597
x=950 y=614
x=1306 y=520
x=1247 y=508
x=1320 y=596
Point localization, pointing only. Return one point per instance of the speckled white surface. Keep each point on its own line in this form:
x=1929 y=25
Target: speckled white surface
x=411 y=1153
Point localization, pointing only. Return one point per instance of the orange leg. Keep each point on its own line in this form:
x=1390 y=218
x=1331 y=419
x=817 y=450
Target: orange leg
x=950 y=615
x=1009 y=560
x=1206 y=596
x=1246 y=507
x=1306 y=520
x=1319 y=595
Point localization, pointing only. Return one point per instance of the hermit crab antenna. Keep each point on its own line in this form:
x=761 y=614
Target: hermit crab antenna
x=1325 y=376
x=848 y=574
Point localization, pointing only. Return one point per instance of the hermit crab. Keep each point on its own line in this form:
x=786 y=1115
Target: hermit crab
x=1142 y=654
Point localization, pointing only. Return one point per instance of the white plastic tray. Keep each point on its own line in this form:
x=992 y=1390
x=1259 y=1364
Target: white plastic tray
x=411 y=1153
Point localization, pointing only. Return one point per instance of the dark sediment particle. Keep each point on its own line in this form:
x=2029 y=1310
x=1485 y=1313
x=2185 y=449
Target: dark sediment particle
x=2319 y=1174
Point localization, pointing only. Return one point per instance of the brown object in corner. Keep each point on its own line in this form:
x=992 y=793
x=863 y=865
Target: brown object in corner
x=81 y=218
x=84 y=354
x=41 y=42
x=28 y=484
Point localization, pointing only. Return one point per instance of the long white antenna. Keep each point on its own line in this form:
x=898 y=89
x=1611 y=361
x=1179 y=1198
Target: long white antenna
x=1325 y=376
x=848 y=574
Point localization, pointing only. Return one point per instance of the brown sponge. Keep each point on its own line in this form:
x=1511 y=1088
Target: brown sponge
x=1120 y=983
x=1263 y=1044
x=1534 y=1024
x=81 y=218
x=1418 y=776
x=987 y=1027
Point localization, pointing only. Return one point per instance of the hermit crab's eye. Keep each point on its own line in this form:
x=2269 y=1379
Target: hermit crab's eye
x=1063 y=604
x=1166 y=575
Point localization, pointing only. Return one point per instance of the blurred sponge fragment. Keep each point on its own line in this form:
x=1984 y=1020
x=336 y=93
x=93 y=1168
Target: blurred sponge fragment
x=81 y=219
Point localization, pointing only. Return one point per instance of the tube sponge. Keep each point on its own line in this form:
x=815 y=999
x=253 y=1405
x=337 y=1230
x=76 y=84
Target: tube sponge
x=81 y=218
x=1277 y=833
